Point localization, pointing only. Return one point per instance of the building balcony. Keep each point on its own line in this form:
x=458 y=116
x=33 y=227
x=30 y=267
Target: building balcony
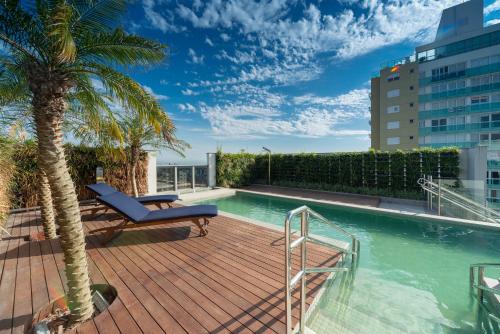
x=457 y=111
x=471 y=127
x=469 y=72
x=460 y=92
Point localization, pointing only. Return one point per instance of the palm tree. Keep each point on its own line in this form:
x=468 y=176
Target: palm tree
x=15 y=113
x=57 y=48
x=135 y=134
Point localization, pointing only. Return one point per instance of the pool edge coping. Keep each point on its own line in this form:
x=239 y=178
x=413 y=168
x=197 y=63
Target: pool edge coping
x=391 y=212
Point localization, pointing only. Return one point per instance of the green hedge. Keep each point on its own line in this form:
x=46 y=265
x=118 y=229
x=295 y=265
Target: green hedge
x=82 y=163
x=375 y=173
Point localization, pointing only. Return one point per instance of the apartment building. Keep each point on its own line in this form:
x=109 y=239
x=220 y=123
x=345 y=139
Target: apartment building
x=458 y=96
x=394 y=107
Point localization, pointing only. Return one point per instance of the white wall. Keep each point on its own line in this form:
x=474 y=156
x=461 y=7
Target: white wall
x=212 y=182
x=152 y=172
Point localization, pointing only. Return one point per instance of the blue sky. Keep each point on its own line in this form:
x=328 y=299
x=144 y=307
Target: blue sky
x=292 y=75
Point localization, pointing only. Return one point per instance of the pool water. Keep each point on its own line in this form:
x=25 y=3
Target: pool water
x=413 y=274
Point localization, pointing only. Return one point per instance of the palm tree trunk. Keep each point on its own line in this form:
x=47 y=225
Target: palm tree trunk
x=49 y=106
x=134 y=157
x=134 y=179
x=45 y=202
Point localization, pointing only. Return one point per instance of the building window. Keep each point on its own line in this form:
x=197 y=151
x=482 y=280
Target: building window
x=411 y=137
x=411 y=121
x=393 y=141
x=412 y=70
x=392 y=125
x=411 y=87
x=393 y=109
x=479 y=99
x=393 y=93
x=411 y=104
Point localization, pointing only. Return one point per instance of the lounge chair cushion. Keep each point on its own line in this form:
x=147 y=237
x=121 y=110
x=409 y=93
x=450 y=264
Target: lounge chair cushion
x=138 y=213
x=103 y=189
x=157 y=199
x=125 y=205
x=182 y=212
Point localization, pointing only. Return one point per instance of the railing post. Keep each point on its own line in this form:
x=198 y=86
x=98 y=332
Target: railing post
x=439 y=197
x=175 y=178
x=480 y=279
x=430 y=197
x=288 y=277
x=193 y=178
x=303 y=262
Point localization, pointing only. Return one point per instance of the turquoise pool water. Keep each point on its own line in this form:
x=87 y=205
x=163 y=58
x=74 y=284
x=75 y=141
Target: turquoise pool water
x=413 y=274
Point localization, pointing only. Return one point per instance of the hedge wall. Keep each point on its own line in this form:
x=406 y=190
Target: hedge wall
x=377 y=173
x=82 y=162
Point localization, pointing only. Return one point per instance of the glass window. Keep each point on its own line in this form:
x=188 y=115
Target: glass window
x=393 y=109
x=484 y=137
x=393 y=141
x=495 y=77
x=479 y=62
x=479 y=99
x=495 y=97
x=495 y=136
x=393 y=125
x=435 y=122
x=393 y=93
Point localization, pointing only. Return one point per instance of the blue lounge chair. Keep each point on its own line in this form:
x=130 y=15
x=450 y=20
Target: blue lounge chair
x=135 y=215
x=103 y=189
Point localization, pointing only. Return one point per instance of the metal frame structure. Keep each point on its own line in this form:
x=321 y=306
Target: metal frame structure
x=301 y=241
x=442 y=193
x=480 y=285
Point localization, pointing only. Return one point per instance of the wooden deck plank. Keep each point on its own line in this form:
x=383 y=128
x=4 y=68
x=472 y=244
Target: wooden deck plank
x=168 y=279
x=8 y=279
x=22 y=301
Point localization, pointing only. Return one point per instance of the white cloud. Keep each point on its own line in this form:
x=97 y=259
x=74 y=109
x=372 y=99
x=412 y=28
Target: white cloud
x=187 y=107
x=157 y=20
x=150 y=91
x=492 y=22
x=492 y=7
x=346 y=35
x=312 y=116
x=225 y=37
x=188 y=92
x=194 y=58
x=209 y=41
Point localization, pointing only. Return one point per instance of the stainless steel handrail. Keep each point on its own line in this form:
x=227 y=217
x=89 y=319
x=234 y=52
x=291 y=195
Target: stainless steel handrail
x=301 y=241
x=459 y=200
x=480 y=278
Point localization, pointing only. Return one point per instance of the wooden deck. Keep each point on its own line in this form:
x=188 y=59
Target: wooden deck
x=168 y=279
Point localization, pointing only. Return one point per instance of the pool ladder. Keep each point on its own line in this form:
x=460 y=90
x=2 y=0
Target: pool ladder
x=483 y=285
x=305 y=213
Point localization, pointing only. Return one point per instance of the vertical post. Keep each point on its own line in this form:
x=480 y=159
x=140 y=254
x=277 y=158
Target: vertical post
x=288 y=277
x=269 y=169
x=175 y=178
x=439 y=197
x=430 y=185
x=193 y=178
x=303 y=262
x=480 y=279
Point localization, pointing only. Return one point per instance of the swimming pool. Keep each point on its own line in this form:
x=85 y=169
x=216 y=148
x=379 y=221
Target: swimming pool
x=413 y=274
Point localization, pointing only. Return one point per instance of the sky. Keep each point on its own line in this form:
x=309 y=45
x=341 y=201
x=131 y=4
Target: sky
x=291 y=75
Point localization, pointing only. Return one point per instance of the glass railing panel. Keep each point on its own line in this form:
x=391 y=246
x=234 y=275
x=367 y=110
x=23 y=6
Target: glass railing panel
x=165 y=178
x=184 y=177
x=201 y=176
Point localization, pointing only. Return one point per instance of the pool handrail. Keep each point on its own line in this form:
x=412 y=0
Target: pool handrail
x=458 y=200
x=301 y=241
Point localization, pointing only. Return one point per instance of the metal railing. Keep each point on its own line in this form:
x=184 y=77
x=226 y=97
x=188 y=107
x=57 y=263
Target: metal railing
x=442 y=193
x=481 y=286
x=301 y=241
x=181 y=177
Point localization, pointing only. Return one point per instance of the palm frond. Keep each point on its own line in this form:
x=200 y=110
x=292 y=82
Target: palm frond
x=99 y=15
x=121 y=48
x=60 y=30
